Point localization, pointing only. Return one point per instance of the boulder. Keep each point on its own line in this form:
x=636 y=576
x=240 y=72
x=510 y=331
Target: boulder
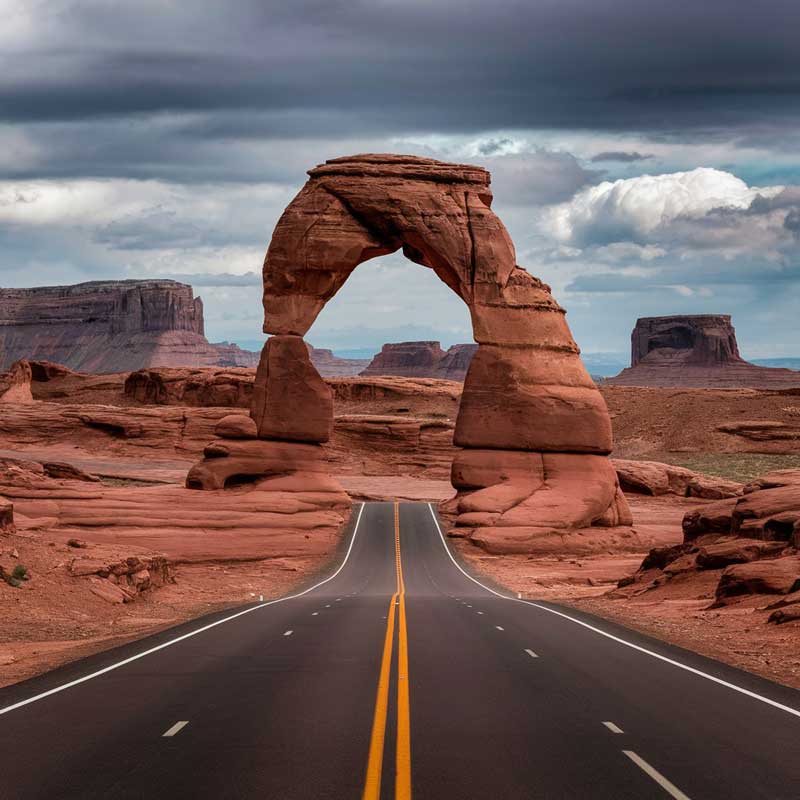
x=58 y=469
x=232 y=462
x=774 y=480
x=652 y=477
x=781 y=615
x=711 y=487
x=768 y=513
x=714 y=517
x=655 y=478
x=236 y=426
x=727 y=551
x=774 y=576
x=290 y=399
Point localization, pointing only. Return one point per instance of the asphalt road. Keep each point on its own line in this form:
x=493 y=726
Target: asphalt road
x=399 y=676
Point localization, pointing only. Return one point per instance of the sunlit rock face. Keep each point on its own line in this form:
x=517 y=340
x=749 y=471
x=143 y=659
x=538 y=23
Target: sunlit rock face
x=535 y=431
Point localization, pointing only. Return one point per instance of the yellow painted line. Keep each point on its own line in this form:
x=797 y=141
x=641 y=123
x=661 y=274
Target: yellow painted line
x=402 y=786
x=372 y=784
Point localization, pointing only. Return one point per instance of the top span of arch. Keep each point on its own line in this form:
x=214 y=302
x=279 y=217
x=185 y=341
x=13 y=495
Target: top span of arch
x=389 y=165
x=359 y=207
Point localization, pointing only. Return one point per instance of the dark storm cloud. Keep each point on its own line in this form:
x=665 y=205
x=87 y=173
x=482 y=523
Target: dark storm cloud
x=412 y=65
x=537 y=178
x=621 y=156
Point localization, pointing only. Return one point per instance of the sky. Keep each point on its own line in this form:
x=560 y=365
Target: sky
x=645 y=155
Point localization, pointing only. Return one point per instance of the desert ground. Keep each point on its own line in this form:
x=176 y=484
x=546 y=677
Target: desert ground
x=107 y=545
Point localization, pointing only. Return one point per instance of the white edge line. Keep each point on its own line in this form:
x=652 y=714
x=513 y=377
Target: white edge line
x=780 y=706
x=663 y=782
x=181 y=638
x=176 y=728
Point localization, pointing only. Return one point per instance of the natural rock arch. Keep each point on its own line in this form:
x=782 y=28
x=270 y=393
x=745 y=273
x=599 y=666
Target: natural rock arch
x=534 y=429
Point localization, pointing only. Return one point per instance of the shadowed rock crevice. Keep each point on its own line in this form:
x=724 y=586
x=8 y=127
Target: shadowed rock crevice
x=535 y=431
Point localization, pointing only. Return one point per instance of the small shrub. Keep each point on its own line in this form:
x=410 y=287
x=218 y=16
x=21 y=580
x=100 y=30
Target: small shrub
x=17 y=576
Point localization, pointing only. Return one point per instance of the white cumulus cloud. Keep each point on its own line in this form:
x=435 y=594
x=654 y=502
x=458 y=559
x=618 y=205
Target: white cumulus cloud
x=643 y=208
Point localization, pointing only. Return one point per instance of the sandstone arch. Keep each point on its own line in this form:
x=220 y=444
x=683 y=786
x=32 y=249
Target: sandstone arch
x=535 y=431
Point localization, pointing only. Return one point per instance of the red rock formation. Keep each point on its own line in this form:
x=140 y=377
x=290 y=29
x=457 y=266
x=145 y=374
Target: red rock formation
x=280 y=516
x=655 y=478
x=423 y=360
x=111 y=326
x=456 y=361
x=406 y=359
x=754 y=539
x=696 y=351
x=191 y=387
x=290 y=399
x=526 y=389
x=15 y=385
x=6 y=516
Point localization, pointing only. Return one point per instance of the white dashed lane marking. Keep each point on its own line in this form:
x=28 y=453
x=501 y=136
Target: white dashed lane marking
x=613 y=728
x=499 y=628
x=314 y=613
x=176 y=728
x=670 y=788
x=288 y=633
x=533 y=655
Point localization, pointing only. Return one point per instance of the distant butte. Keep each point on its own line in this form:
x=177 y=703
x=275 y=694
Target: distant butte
x=698 y=351
x=123 y=326
x=422 y=360
x=111 y=326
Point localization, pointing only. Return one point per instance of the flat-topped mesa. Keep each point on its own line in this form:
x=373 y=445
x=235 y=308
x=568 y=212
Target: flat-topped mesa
x=697 y=351
x=701 y=339
x=119 y=306
x=406 y=359
x=535 y=431
x=422 y=360
x=111 y=326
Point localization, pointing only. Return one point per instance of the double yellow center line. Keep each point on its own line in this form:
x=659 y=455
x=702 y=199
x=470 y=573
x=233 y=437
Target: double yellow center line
x=402 y=785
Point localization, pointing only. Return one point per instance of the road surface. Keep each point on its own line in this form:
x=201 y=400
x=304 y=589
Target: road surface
x=399 y=675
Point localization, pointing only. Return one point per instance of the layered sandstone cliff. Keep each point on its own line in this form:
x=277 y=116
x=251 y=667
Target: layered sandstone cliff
x=695 y=351
x=422 y=360
x=111 y=326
